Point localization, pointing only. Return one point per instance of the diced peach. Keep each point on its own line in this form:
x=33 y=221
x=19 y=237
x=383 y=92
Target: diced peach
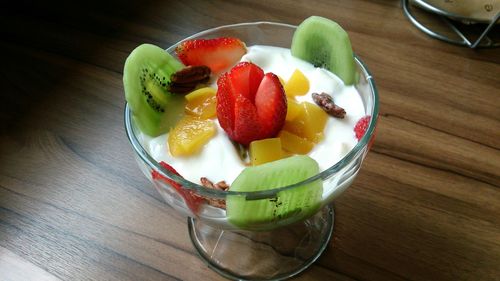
x=265 y=150
x=295 y=144
x=189 y=135
x=297 y=84
x=201 y=103
x=293 y=109
x=309 y=123
x=286 y=153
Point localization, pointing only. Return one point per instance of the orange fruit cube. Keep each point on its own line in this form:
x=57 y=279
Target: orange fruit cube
x=265 y=150
x=309 y=122
x=297 y=84
x=189 y=135
x=293 y=109
x=295 y=144
x=201 y=103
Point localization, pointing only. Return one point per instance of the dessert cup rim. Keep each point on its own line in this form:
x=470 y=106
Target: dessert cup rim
x=270 y=193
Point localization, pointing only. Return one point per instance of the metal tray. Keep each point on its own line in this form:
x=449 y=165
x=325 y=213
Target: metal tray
x=456 y=13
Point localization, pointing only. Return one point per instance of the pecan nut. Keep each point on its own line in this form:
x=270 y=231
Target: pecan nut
x=222 y=185
x=186 y=79
x=325 y=101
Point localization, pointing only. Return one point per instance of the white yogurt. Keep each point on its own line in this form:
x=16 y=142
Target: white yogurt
x=219 y=160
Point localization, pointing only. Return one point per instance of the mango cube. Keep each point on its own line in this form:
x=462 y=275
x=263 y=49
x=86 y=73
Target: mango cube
x=286 y=153
x=201 y=103
x=297 y=85
x=189 y=135
x=309 y=122
x=295 y=144
x=265 y=150
x=293 y=109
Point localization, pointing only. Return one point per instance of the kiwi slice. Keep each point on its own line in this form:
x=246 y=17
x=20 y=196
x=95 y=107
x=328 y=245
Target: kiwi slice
x=288 y=206
x=145 y=78
x=324 y=43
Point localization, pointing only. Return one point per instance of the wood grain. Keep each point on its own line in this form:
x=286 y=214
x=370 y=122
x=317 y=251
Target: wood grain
x=74 y=206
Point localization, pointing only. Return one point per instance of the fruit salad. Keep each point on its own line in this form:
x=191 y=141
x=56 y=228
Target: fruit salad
x=249 y=118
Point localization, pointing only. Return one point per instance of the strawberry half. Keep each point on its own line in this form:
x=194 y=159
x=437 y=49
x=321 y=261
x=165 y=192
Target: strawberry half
x=193 y=201
x=361 y=127
x=219 y=54
x=251 y=105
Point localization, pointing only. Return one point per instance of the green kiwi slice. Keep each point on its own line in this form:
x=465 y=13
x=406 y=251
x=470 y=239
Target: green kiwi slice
x=324 y=43
x=288 y=206
x=145 y=78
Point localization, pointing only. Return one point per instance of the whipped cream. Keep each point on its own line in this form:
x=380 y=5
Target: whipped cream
x=218 y=159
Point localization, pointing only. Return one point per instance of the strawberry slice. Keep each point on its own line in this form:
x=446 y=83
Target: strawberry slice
x=245 y=79
x=250 y=105
x=361 y=127
x=225 y=103
x=271 y=105
x=193 y=201
x=219 y=54
x=246 y=124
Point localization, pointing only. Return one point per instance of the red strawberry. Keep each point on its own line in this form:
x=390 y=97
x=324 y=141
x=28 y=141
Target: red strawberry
x=361 y=127
x=271 y=105
x=246 y=79
x=193 y=201
x=218 y=54
x=250 y=105
x=246 y=125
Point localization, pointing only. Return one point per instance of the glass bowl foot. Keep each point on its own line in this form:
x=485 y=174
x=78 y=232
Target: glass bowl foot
x=268 y=255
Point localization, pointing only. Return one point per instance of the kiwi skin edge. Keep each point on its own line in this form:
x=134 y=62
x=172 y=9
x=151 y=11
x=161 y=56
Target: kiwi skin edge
x=288 y=206
x=151 y=120
x=326 y=44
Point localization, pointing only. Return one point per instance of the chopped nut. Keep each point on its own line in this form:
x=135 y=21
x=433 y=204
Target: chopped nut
x=217 y=203
x=186 y=79
x=207 y=183
x=325 y=101
x=191 y=74
x=222 y=185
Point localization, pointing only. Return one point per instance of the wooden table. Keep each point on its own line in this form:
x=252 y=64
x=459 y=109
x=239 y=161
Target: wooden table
x=74 y=205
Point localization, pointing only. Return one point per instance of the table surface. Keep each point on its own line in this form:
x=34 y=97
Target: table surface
x=74 y=205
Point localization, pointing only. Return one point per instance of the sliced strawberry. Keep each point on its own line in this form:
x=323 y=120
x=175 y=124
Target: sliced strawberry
x=250 y=105
x=271 y=106
x=193 y=201
x=246 y=121
x=225 y=103
x=218 y=54
x=361 y=127
x=245 y=79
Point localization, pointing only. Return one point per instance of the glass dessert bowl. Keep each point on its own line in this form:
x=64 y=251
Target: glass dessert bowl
x=281 y=243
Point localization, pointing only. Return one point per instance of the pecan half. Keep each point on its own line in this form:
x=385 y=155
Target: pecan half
x=222 y=185
x=186 y=79
x=325 y=101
